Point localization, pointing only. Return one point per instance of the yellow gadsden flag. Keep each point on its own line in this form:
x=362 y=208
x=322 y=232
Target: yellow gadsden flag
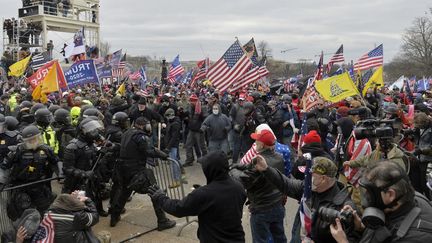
x=376 y=80
x=17 y=69
x=122 y=89
x=336 y=88
x=48 y=85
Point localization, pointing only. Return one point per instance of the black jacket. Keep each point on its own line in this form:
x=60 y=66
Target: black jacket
x=147 y=113
x=275 y=121
x=194 y=121
x=420 y=230
x=219 y=204
x=173 y=133
x=336 y=197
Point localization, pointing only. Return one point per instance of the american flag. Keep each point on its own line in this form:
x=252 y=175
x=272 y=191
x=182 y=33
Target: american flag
x=202 y=71
x=310 y=96
x=39 y=60
x=356 y=149
x=374 y=58
x=176 y=70
x=303 y=132
x=115 y=58
x=135 y=76
x=338 y=57
x=256 y=71
x=45 y=232
x=319 y=71
x=122 y=63
x=117 y=72
x=305 y=211
x=229 y=68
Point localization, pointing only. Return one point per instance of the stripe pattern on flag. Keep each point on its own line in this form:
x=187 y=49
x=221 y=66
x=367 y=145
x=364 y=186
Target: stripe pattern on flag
x=229 y=68
x=357 y=149
x=176 y=69
x=374 y=58
x=338 y=57
x=39 y=60
x=45 y=232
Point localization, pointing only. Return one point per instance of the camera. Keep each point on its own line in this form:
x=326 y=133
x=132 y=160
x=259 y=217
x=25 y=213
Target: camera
x=372 y=128
x=329 y=215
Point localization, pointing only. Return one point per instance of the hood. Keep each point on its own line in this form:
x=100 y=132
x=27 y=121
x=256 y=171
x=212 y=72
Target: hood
x=68 y=202
x=347 y=125
x=315 y=149
x=215 y=166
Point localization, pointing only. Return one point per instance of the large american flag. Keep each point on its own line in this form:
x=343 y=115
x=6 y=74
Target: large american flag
x=338 y=57
x=176 y=70
x=229 y=68
x=135 y=75
x=251 y=76
x=356 y=149
x=45 y=232
x=305 y=210
x=374 y=58
x=39 y=60
x=202 y=71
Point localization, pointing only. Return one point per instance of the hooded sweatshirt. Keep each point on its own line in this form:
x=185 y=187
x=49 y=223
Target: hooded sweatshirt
x=218 y=205
x=217 y=126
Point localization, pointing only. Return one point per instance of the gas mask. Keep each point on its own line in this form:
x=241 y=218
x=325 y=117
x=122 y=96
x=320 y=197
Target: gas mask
x=371 y=200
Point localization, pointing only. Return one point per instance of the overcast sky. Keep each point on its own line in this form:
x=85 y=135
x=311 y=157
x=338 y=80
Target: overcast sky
x=196 y=28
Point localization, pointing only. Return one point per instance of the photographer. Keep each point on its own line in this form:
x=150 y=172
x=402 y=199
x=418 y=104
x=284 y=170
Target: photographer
x=423 y=150
x=327 y=192
x=393 y=211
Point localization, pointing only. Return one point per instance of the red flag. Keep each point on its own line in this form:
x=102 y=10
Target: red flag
x=41 y=73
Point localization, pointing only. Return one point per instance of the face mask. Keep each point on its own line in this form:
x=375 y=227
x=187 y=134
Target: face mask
x=166 y=103
x=148 y=127
x=215 y=111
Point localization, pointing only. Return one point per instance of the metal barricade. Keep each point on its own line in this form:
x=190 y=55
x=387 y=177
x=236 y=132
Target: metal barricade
x=5 y=222
x=164 y=177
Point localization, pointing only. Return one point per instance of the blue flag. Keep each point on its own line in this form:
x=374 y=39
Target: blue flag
x=188 y=77
x=143 y=79
x=82 y=72
x=423 y=85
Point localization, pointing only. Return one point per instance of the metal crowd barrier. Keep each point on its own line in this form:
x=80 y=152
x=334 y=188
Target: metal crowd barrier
x=5 y=222
x=164 y=177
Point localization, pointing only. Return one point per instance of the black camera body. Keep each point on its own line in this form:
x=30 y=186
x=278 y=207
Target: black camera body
x=329 y=215
x=372 y=128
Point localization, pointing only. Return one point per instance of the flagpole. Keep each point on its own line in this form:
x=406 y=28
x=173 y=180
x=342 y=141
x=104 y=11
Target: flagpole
x=97 y=75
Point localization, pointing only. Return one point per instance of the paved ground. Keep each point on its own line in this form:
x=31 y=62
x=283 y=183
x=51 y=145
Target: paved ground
x=140 y=217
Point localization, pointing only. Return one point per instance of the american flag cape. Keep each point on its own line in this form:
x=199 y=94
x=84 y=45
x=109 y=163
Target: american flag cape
x=356 y=149
x=374 y=58
x=45 y=232
x=305 y=210
x=229 y=68
x=338 y=57
x=176 y=70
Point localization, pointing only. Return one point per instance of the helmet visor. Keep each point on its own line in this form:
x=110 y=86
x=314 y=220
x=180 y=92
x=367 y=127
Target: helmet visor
x=33 y=142
x=92 y=126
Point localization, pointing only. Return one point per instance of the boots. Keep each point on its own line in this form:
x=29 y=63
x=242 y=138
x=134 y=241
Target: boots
x=163 y=222
x=114 y=220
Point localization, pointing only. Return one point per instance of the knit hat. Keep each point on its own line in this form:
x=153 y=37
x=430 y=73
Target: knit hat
x=312 y=137
x=193 y=97
x=324 y=166
x=142 y=101
x=264 y=136
x=343 y=111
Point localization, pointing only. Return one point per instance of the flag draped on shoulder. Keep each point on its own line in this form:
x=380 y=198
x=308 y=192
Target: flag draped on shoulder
x=229 y=68
x=18 y=69
x=46 y=231
x=376 y=80
x=176 y=70
x=374 y=58
x=336 y=88
x=338 y=57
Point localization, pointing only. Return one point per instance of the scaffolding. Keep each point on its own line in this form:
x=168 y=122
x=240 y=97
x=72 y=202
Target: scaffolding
x=37 y=17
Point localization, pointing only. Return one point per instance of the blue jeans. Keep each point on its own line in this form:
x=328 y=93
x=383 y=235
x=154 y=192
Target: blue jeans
x=216 y=145
x=268 y=223
x=175 y=167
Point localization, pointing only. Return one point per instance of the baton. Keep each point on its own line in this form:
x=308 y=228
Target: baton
x=30 y=183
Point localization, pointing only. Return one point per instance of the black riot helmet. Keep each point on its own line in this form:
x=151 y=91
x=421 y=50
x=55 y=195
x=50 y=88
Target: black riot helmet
x=43 y=117
x=62 y=117
x=120 y=119
x=53 y=108
x=84 y=108
x=2 y=123
x=90 y=128
x=31 y=137
x=11 y=123
x=25 y=104
x=93 y=112
x=36 y=107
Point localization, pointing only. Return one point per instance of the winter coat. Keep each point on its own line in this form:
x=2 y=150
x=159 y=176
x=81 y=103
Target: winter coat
x=173 y=133
x=218 y=205
x=395 y=154
x=275 y=119
x=216 y=127
x=194 y=121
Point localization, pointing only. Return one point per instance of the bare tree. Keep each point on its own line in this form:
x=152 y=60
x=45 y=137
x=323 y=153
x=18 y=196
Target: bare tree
x=417 y=43
x=264 y=49
x=104 y=48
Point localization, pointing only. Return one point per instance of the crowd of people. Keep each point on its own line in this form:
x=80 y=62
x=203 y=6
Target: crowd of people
x=369 y=156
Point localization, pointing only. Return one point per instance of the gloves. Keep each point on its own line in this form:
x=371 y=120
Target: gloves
x=155 y=193
x=417 y=151
x=162 y=154
x=238 y=166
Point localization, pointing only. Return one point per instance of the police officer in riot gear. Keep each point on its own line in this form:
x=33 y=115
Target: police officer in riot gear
x=64 y=130
x=134 y=150
x=31 y=161
x=7 y=137
x=79 y=159
x=43 y=119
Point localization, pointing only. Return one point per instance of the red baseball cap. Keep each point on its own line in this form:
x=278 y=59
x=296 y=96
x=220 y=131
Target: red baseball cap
x=312 y=137
x=264 y=136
